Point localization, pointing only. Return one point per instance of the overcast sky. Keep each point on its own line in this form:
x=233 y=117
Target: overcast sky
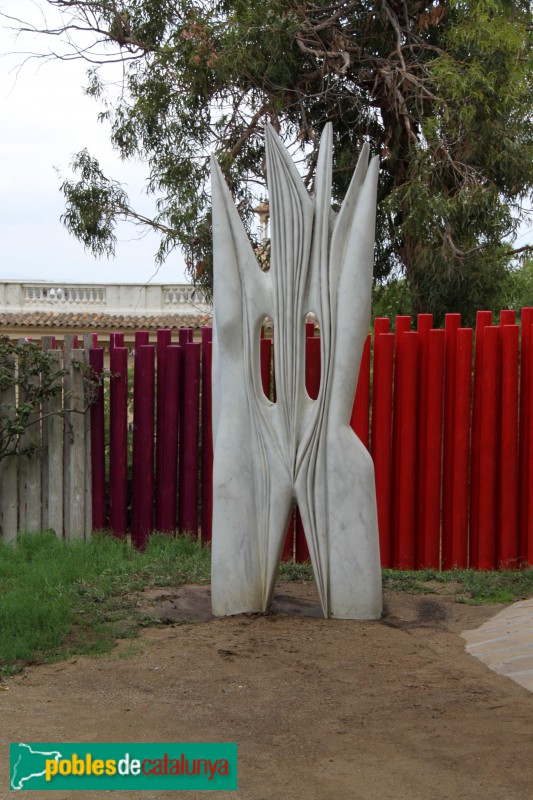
x=44 y=119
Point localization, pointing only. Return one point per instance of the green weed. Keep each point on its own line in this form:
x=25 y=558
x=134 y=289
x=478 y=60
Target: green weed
x=467 y=586
x=58 y=599
x=63 y=598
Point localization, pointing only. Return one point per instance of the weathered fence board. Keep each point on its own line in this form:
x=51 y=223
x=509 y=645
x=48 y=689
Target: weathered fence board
x=89 y=340
x=30 y=467
x=9 y=480
x=51 y=489
x=97 y=436
x=52 y=463
x=74 y=449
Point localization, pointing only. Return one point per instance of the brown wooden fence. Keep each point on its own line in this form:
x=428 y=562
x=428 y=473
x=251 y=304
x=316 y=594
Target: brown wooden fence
x=446 y=415
x=52 y=488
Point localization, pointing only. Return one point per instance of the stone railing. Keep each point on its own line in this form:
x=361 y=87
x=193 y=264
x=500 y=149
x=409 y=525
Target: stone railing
x=183 y=294
x=36 y=294
x=112 y=298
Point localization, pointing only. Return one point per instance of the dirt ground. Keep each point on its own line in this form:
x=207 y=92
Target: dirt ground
x=320 y=709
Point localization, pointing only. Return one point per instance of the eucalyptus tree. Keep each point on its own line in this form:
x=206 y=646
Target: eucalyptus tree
x=440 y=89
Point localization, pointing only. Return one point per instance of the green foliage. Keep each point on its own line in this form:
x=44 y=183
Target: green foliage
x=521 y=286
x=94 y=204
x=30 y=379
x=442 y=91
x=391 y=299
x=290 y=571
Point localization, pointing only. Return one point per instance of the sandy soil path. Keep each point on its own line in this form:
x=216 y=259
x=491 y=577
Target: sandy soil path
x=389 y=710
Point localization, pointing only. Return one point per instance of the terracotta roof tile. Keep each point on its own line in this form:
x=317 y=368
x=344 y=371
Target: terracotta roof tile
x=98 y=320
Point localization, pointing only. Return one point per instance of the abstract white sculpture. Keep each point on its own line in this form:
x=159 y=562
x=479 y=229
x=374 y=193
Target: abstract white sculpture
x=267 y=456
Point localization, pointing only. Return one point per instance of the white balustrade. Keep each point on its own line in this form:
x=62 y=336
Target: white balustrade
x=113 y=298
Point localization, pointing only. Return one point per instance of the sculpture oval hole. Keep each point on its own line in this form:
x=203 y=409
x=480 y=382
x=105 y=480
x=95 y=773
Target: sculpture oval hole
x=312 y=356
x=266 y=356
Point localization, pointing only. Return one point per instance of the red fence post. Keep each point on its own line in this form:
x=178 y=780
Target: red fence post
x=381 y=325
x=430 y=463
x=143 y=442
x=455 y=538
x=300 y=542
x=167 y=487
x=289 y=547
x=141 y=338
x=483 y=535
x=382 y=438
x=402 y=325
x=164 y=338
x=96 y=362
x=207 y=436
x=507 y=552
x=116 y=340
x=188 y=467
x=525 y=432
x=483 y=319
x=185 y=335
x=452 y=323
x=404 y=453
x=274 y=395
x=312 y=366
x=424 y=323
x=507 y=317
x=266 y=363
x=118 y=440
x=360 y=419
x=527 y=534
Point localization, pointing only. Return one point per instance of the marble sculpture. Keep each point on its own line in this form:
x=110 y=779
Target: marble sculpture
x=269 y=456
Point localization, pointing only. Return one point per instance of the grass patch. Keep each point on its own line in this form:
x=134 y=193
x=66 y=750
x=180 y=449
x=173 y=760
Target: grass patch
x=466 y=585
x=59 y=599
x=289 y=571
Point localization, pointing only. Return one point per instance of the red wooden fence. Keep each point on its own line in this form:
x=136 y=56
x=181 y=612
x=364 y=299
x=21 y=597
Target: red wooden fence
x=446 y=415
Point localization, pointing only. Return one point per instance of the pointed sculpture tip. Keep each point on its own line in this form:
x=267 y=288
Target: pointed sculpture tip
x=326 y=140
x=364 y=155
x=218 y=181
x=215 y=166
x=373 y=168
x=213 y=163
x=272 y=138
